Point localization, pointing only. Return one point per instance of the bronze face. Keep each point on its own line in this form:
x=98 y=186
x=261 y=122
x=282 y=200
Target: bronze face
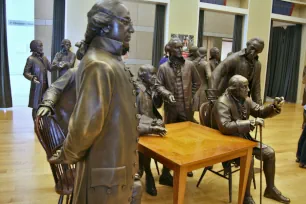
x=37 y=46
x=66 y=45
x=148 y=74
x=253 y=49
x=176 y=48
x=244 y=89
x=239 y=86
x=121 y=26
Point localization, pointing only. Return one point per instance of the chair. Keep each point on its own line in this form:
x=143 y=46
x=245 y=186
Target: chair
x=51 y=137
x=206 y=119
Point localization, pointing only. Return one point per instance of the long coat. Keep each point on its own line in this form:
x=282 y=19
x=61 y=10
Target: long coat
x=165 y=84
x=37 y=67
x=238 y=64
x=204 y=72
x=103 y=133
x=232 y=121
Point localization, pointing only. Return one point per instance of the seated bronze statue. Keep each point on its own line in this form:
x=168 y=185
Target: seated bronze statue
x=231 y=113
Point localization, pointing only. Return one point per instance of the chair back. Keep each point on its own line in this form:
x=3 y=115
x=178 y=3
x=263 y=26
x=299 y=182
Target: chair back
x=51 y=137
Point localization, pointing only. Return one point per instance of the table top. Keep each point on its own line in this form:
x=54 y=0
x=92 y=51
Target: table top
x=187 y=143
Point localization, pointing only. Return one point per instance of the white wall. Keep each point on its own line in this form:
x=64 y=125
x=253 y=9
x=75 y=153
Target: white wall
x=218 y=24
x=76 y=20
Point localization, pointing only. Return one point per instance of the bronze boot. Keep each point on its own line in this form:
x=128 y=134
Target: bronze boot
x=248 y=200
x=275 y=194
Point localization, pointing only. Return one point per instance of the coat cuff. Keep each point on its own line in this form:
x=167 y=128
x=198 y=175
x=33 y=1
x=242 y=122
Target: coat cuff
x=244 y=126
x=48 y=104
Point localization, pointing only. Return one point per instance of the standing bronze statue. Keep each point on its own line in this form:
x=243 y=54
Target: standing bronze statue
x=231 y=113
x=215 y=57
x=245 y=63
x=103 y=133
x=59 y=101
x=177 y=82
x=148 y=107
x=35 y=70
x=64 y=59
x=204 y=71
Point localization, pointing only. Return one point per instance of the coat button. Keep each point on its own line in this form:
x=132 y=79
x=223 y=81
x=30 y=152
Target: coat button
x=135 y=105
x=134 y=92
x=109 y=191
x=123 y=187
x=131 y=80
x=135 y=164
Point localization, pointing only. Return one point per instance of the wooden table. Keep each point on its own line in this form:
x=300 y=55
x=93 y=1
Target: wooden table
x=189 y=146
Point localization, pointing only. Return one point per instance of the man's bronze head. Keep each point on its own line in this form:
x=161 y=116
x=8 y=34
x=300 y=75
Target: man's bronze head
x=254 y=47
x=37 y=46
x=238 y=86
x=66 y=45
x=203 y=51
x=215 y=53
x=111 y=18
x=175 y=47
x=146 y=74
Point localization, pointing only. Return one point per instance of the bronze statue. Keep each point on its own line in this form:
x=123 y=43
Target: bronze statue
x=245 y=63
x=35 y=70
x=147 y=104
x=214 y=59
x=231 y=113
x=177 y=82
x=103 y=128
x=64 y=59
x=204 y=71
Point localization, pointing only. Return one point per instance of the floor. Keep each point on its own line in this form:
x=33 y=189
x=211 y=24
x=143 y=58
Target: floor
x=25 y=175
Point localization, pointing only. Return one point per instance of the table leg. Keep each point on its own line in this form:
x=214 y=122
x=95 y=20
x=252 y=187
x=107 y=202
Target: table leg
x=179 y=185
x=245 y=163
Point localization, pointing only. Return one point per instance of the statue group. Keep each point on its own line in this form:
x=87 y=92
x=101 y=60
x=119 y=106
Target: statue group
x=103 y=110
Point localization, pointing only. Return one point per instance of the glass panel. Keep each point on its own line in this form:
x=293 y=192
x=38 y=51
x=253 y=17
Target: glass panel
x=20 y=32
